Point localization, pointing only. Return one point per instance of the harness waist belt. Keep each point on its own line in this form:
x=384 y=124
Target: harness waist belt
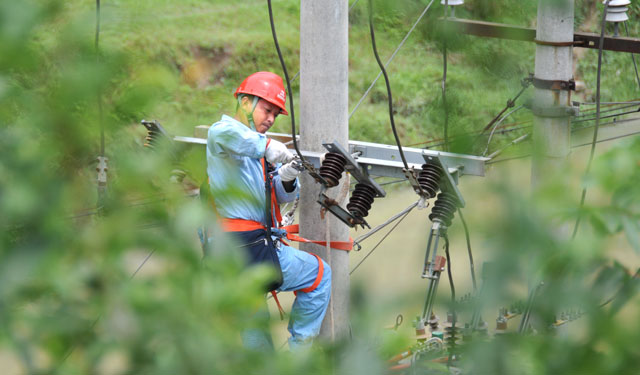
x=239 y=225
x=243 y=225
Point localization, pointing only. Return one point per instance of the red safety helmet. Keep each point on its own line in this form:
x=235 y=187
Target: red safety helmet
x=267 y=86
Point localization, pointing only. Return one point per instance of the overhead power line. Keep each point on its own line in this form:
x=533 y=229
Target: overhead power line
x=393 y=55
x=386 y=81
x=574 y=146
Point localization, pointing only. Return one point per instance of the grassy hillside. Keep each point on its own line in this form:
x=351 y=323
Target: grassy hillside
x=200 y=50
x=119 y=284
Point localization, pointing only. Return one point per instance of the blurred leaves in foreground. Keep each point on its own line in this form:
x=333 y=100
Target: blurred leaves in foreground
x=123 y=288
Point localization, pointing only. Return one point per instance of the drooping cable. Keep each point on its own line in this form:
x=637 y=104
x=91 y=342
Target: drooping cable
x=286 y=77
x=386 y=80
x=486 y=150
x=469 y=251
x=452 y=329
x=633 y=56
x=393 y=55
x=449 y=272
x=595 y=129
x=526 y=82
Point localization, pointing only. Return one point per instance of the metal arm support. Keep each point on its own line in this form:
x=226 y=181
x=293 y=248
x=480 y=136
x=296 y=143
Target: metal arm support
x=502 y=31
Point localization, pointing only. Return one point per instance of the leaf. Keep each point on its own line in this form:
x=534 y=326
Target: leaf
x=632 y=230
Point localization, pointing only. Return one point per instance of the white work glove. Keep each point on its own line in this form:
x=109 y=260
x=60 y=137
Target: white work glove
x=277 y=153
x=288 y=172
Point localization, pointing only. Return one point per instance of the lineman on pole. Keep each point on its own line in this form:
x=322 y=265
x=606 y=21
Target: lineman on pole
x=261 y=173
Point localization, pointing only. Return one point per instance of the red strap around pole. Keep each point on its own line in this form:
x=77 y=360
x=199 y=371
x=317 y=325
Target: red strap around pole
x=338 y=245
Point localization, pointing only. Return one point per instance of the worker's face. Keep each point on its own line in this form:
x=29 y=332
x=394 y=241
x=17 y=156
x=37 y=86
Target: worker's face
x=265 y=115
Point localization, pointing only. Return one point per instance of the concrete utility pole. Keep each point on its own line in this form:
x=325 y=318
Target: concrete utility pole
x=324 y=88
x=554 y=62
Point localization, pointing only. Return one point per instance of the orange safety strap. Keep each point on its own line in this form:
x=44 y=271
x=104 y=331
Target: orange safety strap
x=339 y=245
x=316 y=282
x=280 y=309
x=239 y=225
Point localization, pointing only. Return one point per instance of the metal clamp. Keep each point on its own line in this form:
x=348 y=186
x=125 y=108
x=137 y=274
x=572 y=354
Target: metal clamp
x=555 y=111
x=412 y=177
x=346 y=217
x=554 y=44
x=102 y=169
x=546 y=84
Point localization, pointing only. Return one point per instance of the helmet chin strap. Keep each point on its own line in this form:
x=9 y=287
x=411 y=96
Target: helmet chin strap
x=249 y=115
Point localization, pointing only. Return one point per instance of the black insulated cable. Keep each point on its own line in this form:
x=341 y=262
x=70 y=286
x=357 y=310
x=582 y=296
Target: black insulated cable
x=386 y=80
x=393 y=55
x=449 y=272
x=469 y=251
x=595 y=129
x=286 y=77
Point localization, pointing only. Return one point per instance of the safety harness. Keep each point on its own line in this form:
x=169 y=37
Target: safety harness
x=273 y=228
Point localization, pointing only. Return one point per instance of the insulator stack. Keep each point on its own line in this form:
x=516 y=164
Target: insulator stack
x=451 y=338
x=152 y=138
x=332 y=168
x=429 y=178
x=617 y=10
x=361 y=200
x=444 y=208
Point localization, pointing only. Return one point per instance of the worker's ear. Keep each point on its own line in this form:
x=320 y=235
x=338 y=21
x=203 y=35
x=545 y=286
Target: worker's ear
x=246 y=103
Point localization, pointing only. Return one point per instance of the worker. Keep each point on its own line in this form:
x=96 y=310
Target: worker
x=236 y=152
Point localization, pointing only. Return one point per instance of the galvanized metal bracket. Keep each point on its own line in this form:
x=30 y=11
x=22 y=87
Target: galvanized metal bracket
x=155 y=131
x=358 y=172
x=334 y=207
x=309 y=167
x=449 y=180
x=102 y=169
x=412 y=176
x=361 y=175
x=384 y=160
x=380 y=159
x=546 y=84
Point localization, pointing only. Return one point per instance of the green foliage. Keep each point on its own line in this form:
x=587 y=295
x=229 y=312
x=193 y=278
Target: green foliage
x=123 y=288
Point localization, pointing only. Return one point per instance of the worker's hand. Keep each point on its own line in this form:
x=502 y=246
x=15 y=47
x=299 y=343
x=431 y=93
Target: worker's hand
x=288 y=172
x=277 y=153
